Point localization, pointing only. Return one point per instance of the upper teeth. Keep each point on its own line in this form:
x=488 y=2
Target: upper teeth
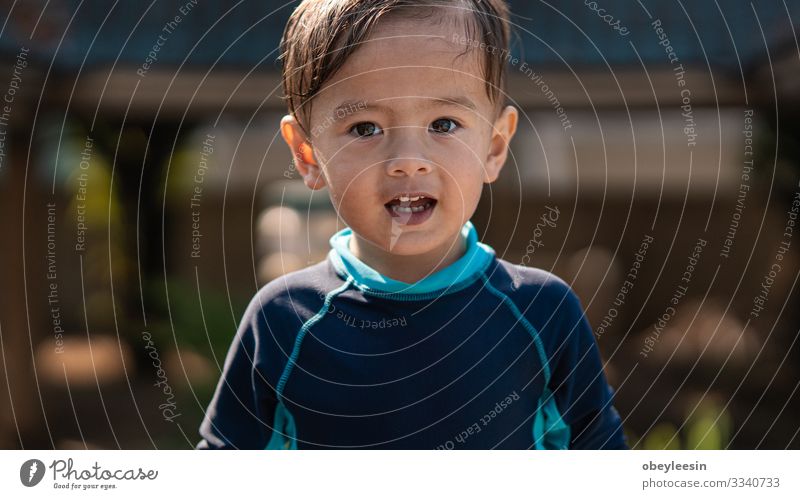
x=405 y=199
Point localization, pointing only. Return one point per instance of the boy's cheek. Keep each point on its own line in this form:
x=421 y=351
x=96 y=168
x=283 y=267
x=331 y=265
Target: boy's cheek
x=345 y=182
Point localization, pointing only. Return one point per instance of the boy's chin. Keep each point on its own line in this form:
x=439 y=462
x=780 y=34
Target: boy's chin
x=410 y=244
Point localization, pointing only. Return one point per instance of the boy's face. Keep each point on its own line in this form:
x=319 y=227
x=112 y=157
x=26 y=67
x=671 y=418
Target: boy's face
x=407 y=114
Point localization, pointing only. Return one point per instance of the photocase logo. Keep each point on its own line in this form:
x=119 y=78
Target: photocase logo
x=31 y=472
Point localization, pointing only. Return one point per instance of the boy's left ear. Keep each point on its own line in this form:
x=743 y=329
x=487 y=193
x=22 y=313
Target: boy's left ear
x=502 y=131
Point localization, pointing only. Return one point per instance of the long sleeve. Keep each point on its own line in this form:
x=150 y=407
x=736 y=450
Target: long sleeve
x=241 y=411
x=580 y=385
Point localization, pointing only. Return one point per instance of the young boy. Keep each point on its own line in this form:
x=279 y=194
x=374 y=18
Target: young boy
x=412 y=333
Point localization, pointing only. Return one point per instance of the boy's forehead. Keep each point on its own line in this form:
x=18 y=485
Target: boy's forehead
x=407 y=39
x=415 y=60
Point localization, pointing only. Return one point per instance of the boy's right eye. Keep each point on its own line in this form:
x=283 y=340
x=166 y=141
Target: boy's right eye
x=365 y=129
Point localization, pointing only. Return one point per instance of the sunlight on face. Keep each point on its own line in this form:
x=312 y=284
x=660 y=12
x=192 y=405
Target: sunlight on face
x=403 y=134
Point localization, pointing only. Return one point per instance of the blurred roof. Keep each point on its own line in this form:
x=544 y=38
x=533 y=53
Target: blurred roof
x=84 y=33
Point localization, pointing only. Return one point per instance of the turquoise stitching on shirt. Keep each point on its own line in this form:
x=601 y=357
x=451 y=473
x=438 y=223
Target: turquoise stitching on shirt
x=527 y=325
x=284 y=431
x=549 y=429
x=302 y=333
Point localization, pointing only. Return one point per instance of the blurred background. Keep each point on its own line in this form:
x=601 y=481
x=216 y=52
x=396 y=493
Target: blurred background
x=145 y=196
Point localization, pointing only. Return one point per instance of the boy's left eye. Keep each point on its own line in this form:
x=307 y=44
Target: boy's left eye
x=443 y=125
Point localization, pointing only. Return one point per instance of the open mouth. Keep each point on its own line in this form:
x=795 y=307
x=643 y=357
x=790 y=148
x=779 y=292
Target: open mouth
x=411 y=209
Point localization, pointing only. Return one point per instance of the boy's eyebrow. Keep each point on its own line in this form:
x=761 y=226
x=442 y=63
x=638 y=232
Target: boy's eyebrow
x=350 y=107
x=460 y=101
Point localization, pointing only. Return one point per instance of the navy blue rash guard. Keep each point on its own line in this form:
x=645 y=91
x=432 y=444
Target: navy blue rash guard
x=482 y=354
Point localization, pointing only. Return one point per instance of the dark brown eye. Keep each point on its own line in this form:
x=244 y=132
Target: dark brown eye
x=443 y=125
x=365 y=129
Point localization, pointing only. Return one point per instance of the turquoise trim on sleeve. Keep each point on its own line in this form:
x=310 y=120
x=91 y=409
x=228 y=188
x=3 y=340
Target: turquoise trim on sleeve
x=284 y=431
x=550 y=431
x=475 y=260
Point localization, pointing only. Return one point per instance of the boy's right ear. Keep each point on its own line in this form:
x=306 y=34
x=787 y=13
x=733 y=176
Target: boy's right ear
x=302 y=152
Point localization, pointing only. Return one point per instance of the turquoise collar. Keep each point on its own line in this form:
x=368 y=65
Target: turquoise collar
x=462 y=272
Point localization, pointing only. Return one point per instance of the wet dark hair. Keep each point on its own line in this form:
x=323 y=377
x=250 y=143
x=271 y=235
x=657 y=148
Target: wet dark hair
x=322 y=34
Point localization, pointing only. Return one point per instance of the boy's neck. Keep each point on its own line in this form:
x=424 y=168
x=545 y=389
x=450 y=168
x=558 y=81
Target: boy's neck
x=408 y=268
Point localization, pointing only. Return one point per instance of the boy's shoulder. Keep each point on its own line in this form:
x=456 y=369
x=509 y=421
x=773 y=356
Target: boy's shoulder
x=548 y=302
x=525 y=284
x=303 y=291
x=298 y=290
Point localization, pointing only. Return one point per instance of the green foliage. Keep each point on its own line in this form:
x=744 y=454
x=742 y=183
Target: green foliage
x=201 y=320
x=663 y=436
x=708 y=426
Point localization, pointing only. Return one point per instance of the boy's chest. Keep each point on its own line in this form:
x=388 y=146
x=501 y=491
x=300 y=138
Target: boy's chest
x=469 y=380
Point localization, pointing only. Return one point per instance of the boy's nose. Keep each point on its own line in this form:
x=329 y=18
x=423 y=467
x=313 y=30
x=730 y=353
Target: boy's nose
x=408 y=165
x=407 y=156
